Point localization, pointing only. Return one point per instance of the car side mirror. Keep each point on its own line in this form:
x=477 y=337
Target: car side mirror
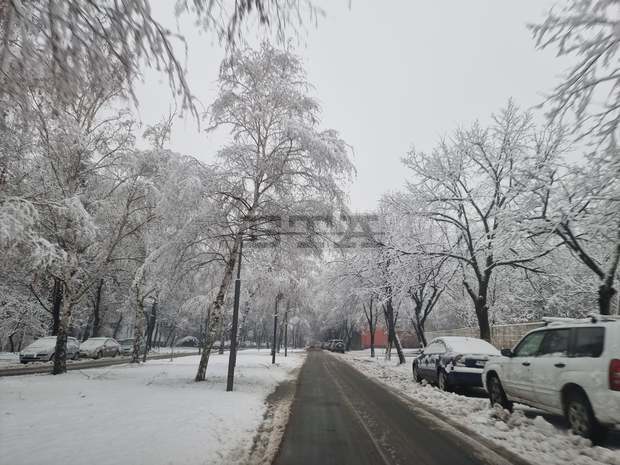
x=507 y=352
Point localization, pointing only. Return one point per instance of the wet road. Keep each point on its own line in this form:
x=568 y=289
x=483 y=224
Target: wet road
x=341 y=417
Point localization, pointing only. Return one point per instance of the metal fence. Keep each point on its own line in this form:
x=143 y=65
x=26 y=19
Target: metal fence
x=502 y=336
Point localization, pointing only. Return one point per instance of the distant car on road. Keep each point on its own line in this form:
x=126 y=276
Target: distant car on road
x=569 y=367
x=336 y=345
x=97 y=347
x=44 y=350
x=453 y=362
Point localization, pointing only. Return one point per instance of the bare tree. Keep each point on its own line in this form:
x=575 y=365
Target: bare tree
x=278 y=159
x=474 y=187
x=590 y=89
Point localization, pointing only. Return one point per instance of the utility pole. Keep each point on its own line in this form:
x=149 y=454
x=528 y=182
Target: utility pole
x=275 y=331
x=232 y=357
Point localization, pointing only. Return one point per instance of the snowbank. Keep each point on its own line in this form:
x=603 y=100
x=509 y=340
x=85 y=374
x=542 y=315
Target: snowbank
x=149 y=414
x=534 y=439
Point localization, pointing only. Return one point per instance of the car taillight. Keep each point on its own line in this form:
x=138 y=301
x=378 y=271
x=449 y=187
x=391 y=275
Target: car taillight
x=614 y=375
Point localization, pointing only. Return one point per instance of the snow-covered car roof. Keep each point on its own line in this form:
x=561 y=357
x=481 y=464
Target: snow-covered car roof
x=469 y=345
x=93 y=342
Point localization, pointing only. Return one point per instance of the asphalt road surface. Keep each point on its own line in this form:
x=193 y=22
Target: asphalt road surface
x=341 y=417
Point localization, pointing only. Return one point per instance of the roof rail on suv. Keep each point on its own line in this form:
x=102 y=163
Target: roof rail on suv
x=591 y=318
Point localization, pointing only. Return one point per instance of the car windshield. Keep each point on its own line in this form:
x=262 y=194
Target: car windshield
x=126 y=342
x=470 y=345
x=92 y=343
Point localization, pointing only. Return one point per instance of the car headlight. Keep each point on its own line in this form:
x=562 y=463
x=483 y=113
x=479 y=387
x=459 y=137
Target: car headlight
x=458 y=361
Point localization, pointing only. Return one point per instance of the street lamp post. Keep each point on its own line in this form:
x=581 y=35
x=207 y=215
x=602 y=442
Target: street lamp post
x=275 y=332
x=232 y=358
x=286 y=329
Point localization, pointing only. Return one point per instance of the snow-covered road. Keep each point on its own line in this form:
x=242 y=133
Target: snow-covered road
x=534 y=439
x=149 y=414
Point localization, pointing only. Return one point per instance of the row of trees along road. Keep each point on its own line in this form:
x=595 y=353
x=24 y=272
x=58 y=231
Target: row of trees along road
x=99 y=235
x=518 y=217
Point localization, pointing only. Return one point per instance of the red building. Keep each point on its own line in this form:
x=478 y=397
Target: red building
x=381 y=338
x=407 y=338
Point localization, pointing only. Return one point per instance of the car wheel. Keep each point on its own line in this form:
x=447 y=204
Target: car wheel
x=416 y=375
x=497 y=394
x=581 y=417
x=442 y=382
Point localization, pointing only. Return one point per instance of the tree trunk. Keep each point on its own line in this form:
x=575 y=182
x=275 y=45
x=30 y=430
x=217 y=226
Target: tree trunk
x=419 y=331
x=393 y=339
x=279 y=344
x=156 y=335
x=21 y=341
x=149 y=330
x=286 y=329
x=372 y=342
x=480 y=305
x=96 y=330
x=56 y=305
x=222 y=337
x=605 y=294
x=216 y=312
x=138 y=328
x=60 y=352
x=117 y=326
x=482 y=314
x=418 y=325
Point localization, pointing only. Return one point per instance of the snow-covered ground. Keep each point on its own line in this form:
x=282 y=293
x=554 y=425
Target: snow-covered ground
x=8 y=359
x=534 y=439
x=151 y=414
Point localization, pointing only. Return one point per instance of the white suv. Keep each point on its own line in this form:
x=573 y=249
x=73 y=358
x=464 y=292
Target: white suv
x=569 y=367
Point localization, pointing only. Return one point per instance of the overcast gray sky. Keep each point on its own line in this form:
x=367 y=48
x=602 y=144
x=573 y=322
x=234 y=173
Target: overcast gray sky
x=389 y=75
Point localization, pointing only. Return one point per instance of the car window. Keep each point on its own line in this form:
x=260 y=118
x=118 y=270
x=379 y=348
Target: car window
x=436 y=347
x=530 y=345
x=588 y=342
x=555 y=343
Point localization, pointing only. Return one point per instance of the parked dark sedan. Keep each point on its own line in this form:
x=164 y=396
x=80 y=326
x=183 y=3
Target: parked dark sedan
x=453 y=362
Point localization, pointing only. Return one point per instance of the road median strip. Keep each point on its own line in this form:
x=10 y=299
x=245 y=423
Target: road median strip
x=82 y=365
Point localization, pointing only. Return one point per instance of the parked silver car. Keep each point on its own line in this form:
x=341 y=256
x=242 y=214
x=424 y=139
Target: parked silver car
x=127 y=346
x=43 y=350
x=97 y=347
